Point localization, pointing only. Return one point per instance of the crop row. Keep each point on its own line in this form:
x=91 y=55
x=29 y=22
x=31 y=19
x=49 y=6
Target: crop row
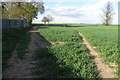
x=71 y=59
x=105 y=39
x=60 y=34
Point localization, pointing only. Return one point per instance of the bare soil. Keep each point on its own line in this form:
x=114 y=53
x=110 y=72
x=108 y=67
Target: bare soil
x=58 y=42
x=105 y=71
x=23 y=68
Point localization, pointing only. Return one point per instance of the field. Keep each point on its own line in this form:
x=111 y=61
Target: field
x=66 y=56
x=104 y=39
x=72 y=58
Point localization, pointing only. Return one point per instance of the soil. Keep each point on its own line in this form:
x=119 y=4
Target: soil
x=23 y=68
x=105 y=70
x=59 y=42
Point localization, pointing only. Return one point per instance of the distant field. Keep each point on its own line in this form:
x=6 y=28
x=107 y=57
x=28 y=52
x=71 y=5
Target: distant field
x=67 y=24
x=49 y=23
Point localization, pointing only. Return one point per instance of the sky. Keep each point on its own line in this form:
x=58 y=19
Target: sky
x=77 y=11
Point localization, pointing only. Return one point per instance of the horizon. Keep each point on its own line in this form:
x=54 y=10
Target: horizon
x=70 y=23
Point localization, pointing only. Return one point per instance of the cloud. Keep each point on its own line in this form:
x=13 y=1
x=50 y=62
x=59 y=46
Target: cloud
x=64 y=11
x=69 y=0
x=88 y=13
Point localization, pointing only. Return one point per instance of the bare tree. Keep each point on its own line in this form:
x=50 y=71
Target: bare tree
x=107 y=14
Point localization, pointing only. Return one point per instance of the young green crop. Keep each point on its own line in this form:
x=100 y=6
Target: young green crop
x=76 y=56
x=70 y=60
x=60 y=34
x=105 y=39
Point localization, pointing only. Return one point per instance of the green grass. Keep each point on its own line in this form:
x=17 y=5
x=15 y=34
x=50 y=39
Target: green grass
x=69 y=60
x=11 y=38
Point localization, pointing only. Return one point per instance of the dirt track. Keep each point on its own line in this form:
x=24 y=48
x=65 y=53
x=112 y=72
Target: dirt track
x=23 y=68
x=105 y=71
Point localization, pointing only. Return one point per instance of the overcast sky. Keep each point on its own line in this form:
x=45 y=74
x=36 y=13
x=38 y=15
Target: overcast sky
x=76 y=11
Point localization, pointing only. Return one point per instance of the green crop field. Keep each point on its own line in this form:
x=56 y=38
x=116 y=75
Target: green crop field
x=105 y=39
x=72 y=56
